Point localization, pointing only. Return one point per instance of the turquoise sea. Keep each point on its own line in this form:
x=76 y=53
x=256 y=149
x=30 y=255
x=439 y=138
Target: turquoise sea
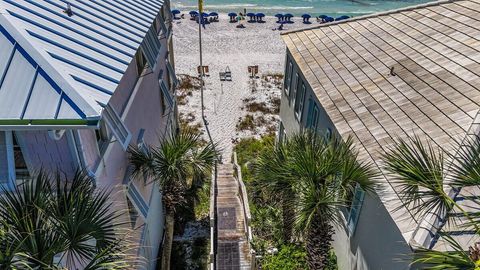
x=333 y=8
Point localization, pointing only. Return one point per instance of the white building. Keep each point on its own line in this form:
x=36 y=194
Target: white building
x=80 y=81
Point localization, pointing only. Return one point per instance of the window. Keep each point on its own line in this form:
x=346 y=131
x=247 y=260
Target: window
x=163 y=27
x=171 y=73
x=21 y=170
x=299 y=101
x=103 y=138
x=132 y=212
x=166 y=94
x=355 y=208
x=137 y=200
x=116 y=125
x=7 y=163
x=313 y=114
x=288 y=78
x=151 y=46
x=141 y=61
x=281 y=133
x=295 y=87
x=328 y=134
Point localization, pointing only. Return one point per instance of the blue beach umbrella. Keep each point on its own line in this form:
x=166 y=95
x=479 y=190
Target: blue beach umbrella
x=260 y=16
x=251 y=16
x=232 y=16
x=204 y=14
x=176 y=11
x=323 y=16
x=193 y=14
x=306 y=18
x=279 y=17
x=329 y=19
x=213 y=14
x=344 y=17
x=289 y=17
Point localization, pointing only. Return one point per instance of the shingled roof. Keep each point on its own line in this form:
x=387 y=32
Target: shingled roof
x=404 y=72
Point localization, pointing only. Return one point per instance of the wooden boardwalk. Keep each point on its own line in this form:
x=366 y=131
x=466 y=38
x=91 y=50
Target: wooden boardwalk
x=232 y=245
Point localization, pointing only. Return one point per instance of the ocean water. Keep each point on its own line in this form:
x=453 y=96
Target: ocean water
x=333 y=8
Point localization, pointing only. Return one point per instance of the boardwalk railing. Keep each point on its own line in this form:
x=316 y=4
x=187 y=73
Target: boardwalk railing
x=213 y=219
x=246 y=208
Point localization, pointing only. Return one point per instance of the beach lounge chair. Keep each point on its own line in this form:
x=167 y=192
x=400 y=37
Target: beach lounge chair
x=253 y=71
x=228 y=74
x=205 y=71
x=222 y=76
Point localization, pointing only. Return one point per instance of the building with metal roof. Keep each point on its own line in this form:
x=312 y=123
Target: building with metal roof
x=69 y=64
x=80 y=82
x=377 y=78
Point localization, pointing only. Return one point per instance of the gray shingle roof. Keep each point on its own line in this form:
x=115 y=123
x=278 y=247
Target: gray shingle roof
x=434 y=50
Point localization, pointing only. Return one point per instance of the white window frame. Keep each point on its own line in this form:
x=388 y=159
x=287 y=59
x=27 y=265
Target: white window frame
x=355 y=209
x=166 y=93
x=295 y=89
x=164 y=31
x=116 y=125
x=8 y=142
x=288 y=78
x=301 y=103
x=137 y=200
x=172 y=74
x=151 y=46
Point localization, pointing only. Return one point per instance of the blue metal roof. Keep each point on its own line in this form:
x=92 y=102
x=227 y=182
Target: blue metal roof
x=55 y=66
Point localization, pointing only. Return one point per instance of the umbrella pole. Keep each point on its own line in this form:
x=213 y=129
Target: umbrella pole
x=205 y=123
x=202 y=73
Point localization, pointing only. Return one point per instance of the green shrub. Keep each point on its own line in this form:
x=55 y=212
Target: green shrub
x=289 y=257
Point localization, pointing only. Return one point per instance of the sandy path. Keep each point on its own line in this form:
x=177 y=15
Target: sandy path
x=224 y=45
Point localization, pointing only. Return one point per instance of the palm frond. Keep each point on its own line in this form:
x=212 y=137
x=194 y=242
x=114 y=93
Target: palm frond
x=418 y=171
x=458 y=259
x=466 y=163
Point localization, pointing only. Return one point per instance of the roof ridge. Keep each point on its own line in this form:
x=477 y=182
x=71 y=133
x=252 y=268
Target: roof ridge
x=373 y=15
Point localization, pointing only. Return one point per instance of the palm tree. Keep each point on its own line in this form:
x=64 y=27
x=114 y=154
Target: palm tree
x=320 y=175
x=425 y=174
x=176 y=164
x=49 y=217
x=275 y=183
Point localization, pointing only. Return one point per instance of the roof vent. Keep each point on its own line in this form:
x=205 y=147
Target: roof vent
x=392 y=71
x=69 y=11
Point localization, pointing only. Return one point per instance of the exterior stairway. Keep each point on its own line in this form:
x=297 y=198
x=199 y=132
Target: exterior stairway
x=232 y=245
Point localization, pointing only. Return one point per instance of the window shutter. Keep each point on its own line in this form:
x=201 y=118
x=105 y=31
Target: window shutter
x=137 y=200
x=357 y=203
x=165 y=92
x=171 y=72
x=7 y=165
x=163 y=27
x=120 y=131
x=151 y=46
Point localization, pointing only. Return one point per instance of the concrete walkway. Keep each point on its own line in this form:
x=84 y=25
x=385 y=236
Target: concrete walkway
x=233 y=249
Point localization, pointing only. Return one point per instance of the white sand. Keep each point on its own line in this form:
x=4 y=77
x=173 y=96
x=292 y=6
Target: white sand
x=225 y=45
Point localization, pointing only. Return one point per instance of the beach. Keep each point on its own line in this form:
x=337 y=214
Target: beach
x=224 y=46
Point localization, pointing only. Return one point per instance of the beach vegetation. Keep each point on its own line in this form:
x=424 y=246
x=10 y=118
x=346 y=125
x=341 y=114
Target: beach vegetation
x=311 y=177
x=246 y=123
x=296 y=190
x=180 y=165
x=50 y=222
